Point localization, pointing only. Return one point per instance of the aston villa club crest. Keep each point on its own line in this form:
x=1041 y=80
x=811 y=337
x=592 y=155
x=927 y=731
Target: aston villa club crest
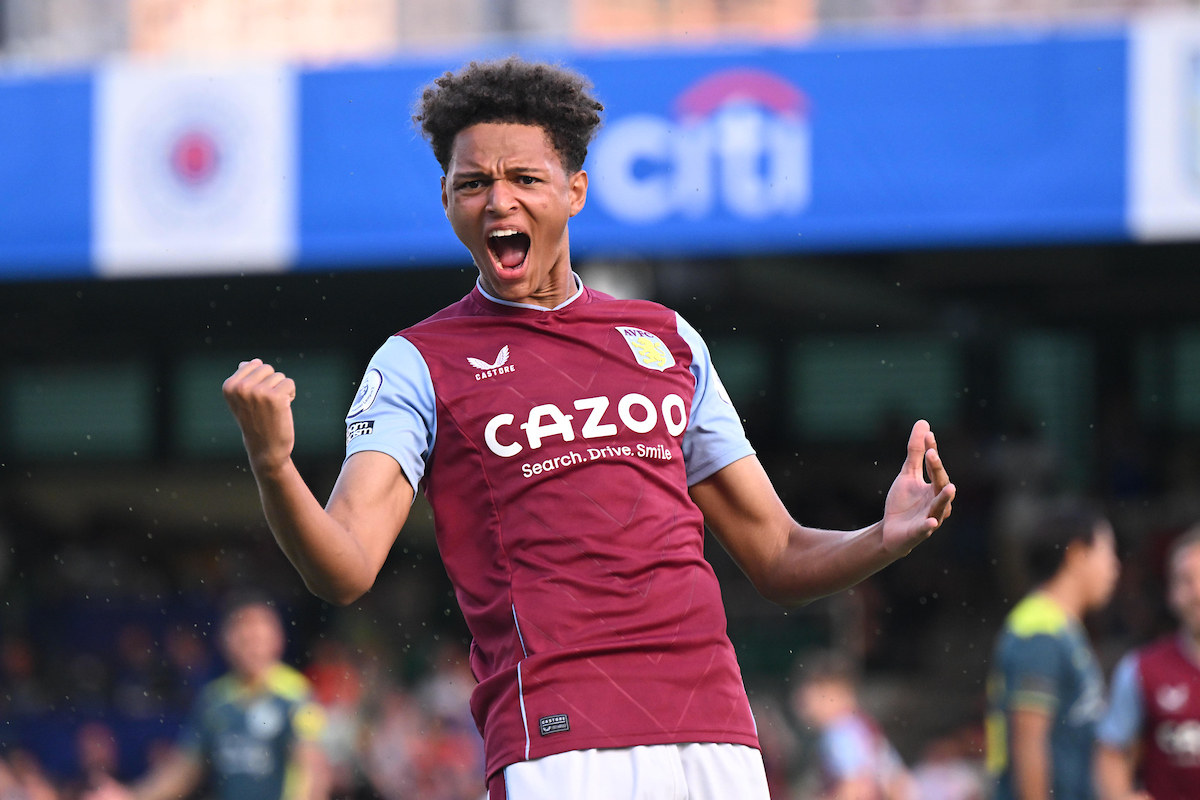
x=647 y=348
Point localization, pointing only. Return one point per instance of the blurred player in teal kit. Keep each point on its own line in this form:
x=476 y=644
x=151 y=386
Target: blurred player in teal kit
x=252 y=734
x=572 y=446
x=1149 y=740
x=1046 y=690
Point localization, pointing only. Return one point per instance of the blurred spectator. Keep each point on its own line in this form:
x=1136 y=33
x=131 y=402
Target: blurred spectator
x=338 y=685
x=254 y=732
x=98 y=757
x=951 y=768
x=23 y=690
x=392 y=746
x=450 y=763
x=1046 y=690
x=856 y=758
x=22 y=778
x=139 y=678
x=190 y=664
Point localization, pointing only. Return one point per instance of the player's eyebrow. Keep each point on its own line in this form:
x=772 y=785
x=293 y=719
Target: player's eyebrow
x=469 y=174
x=474 y=173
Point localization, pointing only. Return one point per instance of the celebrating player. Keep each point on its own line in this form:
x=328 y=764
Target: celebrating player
x=1150 y=736
x=572 y=447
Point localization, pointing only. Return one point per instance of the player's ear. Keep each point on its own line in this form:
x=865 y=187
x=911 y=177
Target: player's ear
x=577 y=186
x=445 y=198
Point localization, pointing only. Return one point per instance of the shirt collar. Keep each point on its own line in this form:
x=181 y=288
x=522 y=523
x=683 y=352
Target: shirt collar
x=578 y=291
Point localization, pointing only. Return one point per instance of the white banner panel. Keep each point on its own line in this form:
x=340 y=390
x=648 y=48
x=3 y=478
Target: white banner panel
x=194 y=169
x=1164 y=127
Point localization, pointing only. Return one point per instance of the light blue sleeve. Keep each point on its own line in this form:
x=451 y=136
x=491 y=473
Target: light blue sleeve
x=847 y=749
x=395 y=409
x=714 y=437
x=1122 y=722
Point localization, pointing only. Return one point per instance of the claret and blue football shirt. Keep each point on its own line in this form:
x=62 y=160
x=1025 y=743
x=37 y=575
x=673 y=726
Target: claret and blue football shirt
x=556 y=448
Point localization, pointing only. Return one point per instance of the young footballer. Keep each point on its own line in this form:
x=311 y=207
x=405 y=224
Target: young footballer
x=572 y=446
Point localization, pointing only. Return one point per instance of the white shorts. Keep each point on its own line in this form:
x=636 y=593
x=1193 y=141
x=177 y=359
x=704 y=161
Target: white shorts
x=650 y=772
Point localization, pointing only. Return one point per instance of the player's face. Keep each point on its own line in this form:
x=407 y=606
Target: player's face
x=253 y=641
x=820 y=702
x=1102 y=565
x=1184 y=590
x=508 y=198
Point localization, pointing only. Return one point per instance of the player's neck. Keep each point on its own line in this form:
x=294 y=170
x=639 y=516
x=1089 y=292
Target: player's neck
x=1189 y=641
x=1066 y=595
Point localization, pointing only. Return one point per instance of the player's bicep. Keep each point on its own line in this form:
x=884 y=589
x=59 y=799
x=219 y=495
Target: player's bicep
x=371 y=499
x=1035 y=663
x=743 y=511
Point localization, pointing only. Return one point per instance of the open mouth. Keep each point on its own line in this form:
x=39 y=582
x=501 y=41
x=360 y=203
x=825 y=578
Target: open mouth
x=509 y=248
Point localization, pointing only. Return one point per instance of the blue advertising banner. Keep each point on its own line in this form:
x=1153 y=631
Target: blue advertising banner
x=863 y=146
x=833 y=145
x=45 y=176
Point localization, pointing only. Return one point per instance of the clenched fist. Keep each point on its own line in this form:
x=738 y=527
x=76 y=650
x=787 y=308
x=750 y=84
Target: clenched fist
x=261 y=401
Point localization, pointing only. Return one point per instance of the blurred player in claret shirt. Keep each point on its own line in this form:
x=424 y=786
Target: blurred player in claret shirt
x=572 y=447
x=1149 y=740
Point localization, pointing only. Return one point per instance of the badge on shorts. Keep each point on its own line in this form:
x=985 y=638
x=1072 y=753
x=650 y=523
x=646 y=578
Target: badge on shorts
x=647 y=348
x=555 y=723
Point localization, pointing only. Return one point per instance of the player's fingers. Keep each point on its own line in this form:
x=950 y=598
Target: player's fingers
x=261 y=376
x=240 y=375
x=916 y=449
x=256 y=379
x=939 y=510
x=245 y=367
x=936 y=469
x=283 y=384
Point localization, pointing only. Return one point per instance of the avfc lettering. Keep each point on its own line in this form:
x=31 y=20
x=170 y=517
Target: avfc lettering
x=634 y=412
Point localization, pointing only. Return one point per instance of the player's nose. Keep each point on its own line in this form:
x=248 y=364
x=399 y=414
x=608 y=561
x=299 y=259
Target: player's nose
x=500 y=197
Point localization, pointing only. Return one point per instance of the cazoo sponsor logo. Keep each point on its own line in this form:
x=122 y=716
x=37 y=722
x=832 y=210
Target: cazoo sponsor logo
x=634 y=412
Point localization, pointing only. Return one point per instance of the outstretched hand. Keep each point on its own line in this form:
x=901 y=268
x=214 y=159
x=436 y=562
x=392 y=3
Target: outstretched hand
x=916 y=507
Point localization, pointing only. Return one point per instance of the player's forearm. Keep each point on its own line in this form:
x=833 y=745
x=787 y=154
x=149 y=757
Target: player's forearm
x=176 y=778
x=1031 y=770
x=1113 y=771
x=330 y=560
x=815 y=563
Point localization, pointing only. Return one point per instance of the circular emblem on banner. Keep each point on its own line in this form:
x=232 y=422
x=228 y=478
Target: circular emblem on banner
x=195 y=157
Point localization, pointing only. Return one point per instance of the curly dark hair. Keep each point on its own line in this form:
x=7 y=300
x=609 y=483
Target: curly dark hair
x=511 y=90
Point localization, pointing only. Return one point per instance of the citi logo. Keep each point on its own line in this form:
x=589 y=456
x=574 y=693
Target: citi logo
x=737 y=142
x=497 y=367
